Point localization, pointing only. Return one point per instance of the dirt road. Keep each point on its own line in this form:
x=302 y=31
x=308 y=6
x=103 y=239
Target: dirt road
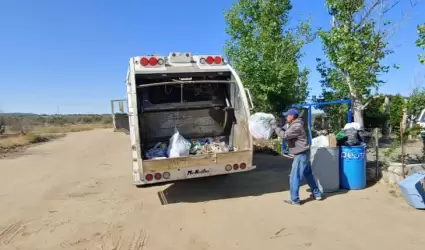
x=76 y=193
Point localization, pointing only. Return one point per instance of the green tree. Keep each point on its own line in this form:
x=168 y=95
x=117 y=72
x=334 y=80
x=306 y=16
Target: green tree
x=266 y=53
x=421 y=41
x=416 y=103
x=374 y=113
x=354 y=49
x=397 y=103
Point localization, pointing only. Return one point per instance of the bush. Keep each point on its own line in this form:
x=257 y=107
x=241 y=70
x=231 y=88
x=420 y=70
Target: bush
x=32 y=138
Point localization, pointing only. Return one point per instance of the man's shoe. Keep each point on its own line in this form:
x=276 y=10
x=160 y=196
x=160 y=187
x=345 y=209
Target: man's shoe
x=317 y=198
x=292 y=202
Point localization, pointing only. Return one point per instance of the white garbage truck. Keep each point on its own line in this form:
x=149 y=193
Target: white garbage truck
x=197 y=99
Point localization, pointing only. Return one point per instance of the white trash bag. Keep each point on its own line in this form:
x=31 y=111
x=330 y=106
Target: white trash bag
x=178 y=145
x=259 y=125
x=354 y=125
x=320 y=141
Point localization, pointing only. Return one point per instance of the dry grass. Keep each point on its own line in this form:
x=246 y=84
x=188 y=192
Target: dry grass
x=42 y=134
x=14 y=142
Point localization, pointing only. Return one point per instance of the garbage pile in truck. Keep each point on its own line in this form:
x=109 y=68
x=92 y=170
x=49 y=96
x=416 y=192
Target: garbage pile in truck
x=178 y=146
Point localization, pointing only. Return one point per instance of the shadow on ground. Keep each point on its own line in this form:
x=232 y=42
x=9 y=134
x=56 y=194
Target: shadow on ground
x=271 y=176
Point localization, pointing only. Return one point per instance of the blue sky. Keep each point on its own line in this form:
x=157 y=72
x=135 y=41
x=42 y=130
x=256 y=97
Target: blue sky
x=73 y=54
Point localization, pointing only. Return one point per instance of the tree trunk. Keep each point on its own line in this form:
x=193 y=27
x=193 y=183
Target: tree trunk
x=356 y=103
x=358 y=112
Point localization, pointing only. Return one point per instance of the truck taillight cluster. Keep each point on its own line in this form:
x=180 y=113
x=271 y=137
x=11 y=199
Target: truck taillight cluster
x=211 y=60
x=152 y=61
x=235 y=166
x=158 y=176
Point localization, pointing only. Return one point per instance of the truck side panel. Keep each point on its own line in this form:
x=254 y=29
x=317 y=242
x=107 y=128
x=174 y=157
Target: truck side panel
x=134 y=125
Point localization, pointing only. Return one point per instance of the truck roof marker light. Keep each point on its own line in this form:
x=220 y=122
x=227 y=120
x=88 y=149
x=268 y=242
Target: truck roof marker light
x=187 y=54
x=174 y=54
x=235 y=166
x=149 y=177
x=210 y=60
x=144 y=61
x=166 y=175
x=153 y=61
x=160 y=61
x=202 y=61
x=228 y=167
x=217 y=60
x=242 y=165
x=158 y=176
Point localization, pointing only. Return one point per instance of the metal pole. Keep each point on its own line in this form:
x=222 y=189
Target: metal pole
x=310 y=123
x=113 y=115
x=349 y=113
x=377 y=153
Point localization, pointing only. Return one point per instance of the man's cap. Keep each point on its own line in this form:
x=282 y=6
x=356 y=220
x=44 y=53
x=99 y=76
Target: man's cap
x=293 y=112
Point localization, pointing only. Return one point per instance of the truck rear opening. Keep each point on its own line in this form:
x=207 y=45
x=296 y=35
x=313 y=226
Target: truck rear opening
x=206 y=105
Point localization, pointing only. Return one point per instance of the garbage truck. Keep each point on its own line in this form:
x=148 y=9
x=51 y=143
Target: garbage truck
x=198 y=98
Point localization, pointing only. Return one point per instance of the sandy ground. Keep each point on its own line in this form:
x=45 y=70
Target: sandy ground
x=77 y=193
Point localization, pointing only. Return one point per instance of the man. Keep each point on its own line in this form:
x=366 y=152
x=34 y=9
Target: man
x=296 y=139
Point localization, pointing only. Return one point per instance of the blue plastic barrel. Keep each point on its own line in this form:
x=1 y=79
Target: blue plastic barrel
x=352 y=167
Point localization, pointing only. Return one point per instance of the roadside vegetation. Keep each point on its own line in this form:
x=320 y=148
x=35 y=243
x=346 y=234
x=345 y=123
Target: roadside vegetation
x=20 y=131
x=265 y=46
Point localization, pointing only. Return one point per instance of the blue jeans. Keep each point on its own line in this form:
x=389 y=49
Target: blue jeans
x=301 y=167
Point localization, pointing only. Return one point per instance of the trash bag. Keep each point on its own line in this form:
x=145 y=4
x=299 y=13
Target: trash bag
x=320 y=141
x=284 y=147
x=178 y=145
x=364 y=136
x=157 y=151
x=352 y=137
x=354 y=125
x=259 y=125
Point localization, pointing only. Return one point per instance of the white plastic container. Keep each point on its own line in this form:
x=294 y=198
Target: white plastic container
x=325 y=166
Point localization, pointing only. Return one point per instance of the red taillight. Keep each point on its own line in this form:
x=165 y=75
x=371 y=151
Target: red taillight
x=242 y=166
x=235 y=166
x=153 y=61
x=217 y=60
x=210 y=60
x=158 y=176
x=144 y=61
x=149 y=177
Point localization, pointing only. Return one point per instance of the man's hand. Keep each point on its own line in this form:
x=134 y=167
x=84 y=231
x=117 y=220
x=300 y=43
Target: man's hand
x=273 y=124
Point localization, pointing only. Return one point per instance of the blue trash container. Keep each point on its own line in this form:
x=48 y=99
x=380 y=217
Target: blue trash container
x=352 y=167
x=413 y=191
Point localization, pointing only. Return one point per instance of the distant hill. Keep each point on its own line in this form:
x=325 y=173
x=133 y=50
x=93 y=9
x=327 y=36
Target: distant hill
x=18 y=114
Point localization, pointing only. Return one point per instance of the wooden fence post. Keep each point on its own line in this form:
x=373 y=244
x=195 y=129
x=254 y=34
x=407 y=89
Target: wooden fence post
x=377 y=153
x=402 y=130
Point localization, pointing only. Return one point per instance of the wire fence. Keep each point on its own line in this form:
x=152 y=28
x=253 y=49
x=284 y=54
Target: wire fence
x=386 y=148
